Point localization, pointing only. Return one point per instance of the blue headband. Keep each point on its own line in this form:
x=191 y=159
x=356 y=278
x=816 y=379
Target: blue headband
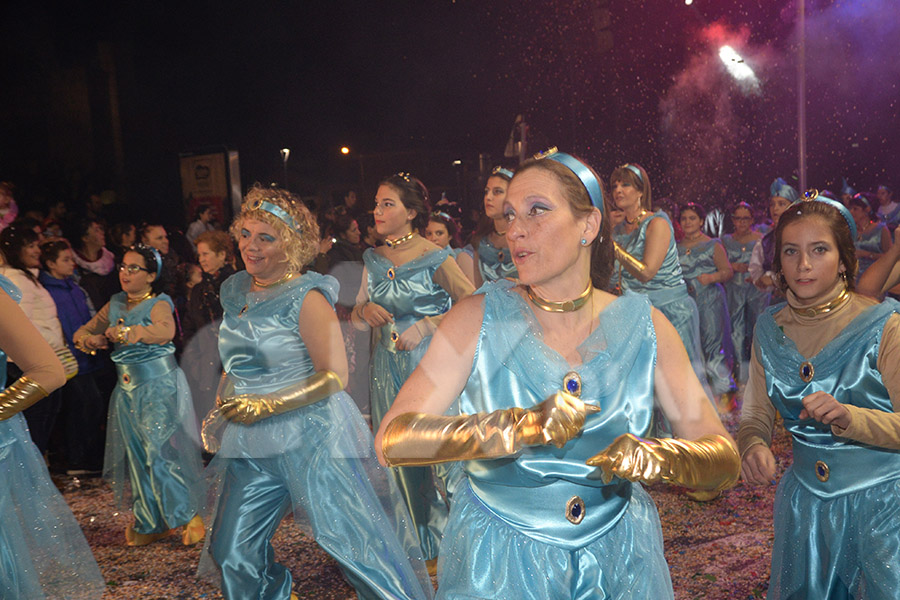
x=503 y=172
x=634 y=170
x=781 y=189
x=156 y=255
x=274 y=209
x=444 y=215
x=581 y=171
x=814 y=196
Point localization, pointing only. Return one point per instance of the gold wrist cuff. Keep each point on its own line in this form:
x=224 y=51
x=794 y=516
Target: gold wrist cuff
x=79 y=345
x=628 y=260
x=21 y=394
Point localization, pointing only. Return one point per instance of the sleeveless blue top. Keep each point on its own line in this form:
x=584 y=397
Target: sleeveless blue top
x=828 y=465
x=738 y=252
x=872 y=242
x=407 y=291
x=669 y=275
x=513 y=367
x=697 y=259
x=495 y=263
x=139 y=315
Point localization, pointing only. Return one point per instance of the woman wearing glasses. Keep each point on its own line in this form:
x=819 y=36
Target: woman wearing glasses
x=151 y=417
x=745 y=301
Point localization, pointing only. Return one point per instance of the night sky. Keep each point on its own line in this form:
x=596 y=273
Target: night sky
x=412 y=85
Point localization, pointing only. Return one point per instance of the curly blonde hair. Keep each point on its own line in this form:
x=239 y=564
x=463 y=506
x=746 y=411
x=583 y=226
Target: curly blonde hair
x=300 y=247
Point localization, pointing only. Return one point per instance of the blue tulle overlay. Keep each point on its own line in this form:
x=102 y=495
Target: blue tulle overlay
x=43 y=553
x=483 y=557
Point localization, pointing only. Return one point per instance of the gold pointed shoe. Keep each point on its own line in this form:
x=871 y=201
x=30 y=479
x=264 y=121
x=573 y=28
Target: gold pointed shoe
x=703 y=495
x=133 y=538
x=193 y=532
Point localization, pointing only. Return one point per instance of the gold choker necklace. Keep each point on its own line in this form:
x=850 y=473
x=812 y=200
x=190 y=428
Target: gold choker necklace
x=287 y=277
x=812 y=311
x=558 y=307
x=131 y=301
x=399 y=240
x=638 y=218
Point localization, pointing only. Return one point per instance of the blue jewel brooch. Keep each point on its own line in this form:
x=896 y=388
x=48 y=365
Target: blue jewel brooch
x=572 y=383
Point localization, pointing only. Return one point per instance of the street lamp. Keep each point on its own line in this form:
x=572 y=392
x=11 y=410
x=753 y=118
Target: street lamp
x=285 y=154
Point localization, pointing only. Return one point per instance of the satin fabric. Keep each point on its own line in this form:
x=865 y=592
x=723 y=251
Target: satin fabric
x=409 y=293
x=494 y=263
x=43 y=553
x=318 y=460
x=668 y=294
x=509 y=535
x=869 y=241
x=892 y=219
x=715 y=322
x=152 y=452
x=835 y=538
x=745 y=302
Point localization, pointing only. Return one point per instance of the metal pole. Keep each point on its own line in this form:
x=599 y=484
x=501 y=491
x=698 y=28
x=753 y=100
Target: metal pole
x=801 y=97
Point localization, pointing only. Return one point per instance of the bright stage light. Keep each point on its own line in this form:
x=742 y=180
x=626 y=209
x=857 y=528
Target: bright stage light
x=735 y=64
x=688 y=2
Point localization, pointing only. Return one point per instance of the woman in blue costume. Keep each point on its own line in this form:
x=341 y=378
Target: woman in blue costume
x=489 y=239
x=645 y=249
x=443 y=231
x=408 y=284
x=745 y=301
x=151 y=431
x=828 y=363
x=781 y=195
x=531 y=519
x=705 y=267
x=292 y=438
x=43 y=553
x=873 y=238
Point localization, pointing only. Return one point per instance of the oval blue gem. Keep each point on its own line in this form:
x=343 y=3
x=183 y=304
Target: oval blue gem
x=572 y=386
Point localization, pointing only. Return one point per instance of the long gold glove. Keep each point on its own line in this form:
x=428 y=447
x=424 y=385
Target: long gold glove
x=708 y=463
x=20 y=395
x=629 y=261
x=422 y=439
x=214 y=421
x=250 y=408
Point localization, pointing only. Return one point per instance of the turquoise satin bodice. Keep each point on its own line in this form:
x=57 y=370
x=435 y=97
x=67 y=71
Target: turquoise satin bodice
x=697 y=260
x=139 y=315
x=846 y=368
x=407 y=291
x=669 y=275
x=494 y=263
x=13 y=292
x=513 y=367
x=259 y=339
x=738 y=252
x=872 y=242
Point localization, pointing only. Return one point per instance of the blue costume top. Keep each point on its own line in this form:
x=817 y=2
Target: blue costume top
x=667 y=290
x=494 y=263
x=151 y=435
x=837 y=510
x=869 y=241
x=745 y=302
x=892 y=219
x=542 y=524
x=301 y=458
x=43 y=553
x=715 y=324
x=409 y=293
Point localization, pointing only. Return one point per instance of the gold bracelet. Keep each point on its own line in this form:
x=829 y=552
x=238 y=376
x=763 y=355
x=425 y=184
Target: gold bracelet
x=122 y=335
x=79 y=345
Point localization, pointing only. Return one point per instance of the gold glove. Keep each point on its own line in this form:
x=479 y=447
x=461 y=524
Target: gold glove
x=250 y=408
x=209 y=430
x=20 y=395
x=422 y=439
x=224 y=390
x=709 y=463
x=628 y=260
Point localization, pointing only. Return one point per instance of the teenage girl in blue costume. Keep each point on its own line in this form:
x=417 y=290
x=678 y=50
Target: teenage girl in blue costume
x=43 y=553
x=492 y=257
x=531 y=519
x=705 y=266
x=151 y=433
x=408 y=285
x=292 y=437
x=827 y=361
x=443 y=231
x=745 y=301
x=647 y=256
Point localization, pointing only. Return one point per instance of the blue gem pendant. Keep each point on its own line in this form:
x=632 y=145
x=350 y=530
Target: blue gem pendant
x=391 y=274
x=807 y=371
x=575 y=510
x=572 y=383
